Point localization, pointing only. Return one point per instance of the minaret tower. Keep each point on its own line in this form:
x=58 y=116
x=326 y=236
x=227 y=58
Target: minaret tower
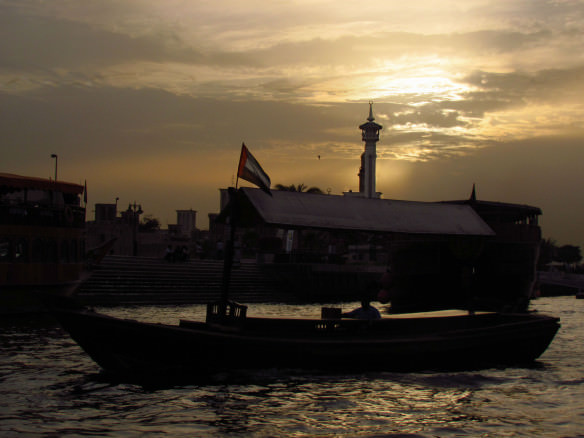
x=370 y=131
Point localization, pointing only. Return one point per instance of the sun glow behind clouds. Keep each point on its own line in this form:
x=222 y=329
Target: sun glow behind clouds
x=416 y=87
x=407 y=80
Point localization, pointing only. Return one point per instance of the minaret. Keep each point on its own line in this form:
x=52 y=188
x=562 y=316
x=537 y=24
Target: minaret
x=370 y=131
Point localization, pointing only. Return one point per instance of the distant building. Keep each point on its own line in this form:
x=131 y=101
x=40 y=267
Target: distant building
x=132 y=240
x=107 y=225
x=186 y=221
x=105 y=212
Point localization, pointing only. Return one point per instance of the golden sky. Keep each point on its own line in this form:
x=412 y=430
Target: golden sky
x=149 y=101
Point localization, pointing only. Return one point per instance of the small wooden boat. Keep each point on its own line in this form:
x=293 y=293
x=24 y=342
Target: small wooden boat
x=229 y=340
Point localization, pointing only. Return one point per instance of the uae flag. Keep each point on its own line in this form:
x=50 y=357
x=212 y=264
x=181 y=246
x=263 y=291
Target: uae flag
x=250 y=170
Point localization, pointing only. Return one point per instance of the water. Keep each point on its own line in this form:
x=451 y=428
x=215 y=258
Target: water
x=50 y=388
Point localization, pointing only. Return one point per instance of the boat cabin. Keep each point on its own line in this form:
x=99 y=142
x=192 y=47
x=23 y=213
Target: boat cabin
x=42 y=225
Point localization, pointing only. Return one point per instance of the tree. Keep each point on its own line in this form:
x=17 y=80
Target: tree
x=550 y=252
x=299 y=188
x=547 y=253
x=149 y=223
x=569 y=254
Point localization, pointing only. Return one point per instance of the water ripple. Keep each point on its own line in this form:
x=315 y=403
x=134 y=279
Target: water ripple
x=49 y=388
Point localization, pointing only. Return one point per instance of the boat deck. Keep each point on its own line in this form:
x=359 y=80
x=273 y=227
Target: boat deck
x=407 y=324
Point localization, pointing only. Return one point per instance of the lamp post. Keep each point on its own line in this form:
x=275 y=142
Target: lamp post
x=134 y=214
x=56 y=164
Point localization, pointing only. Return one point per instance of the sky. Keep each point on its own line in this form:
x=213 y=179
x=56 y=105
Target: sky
x=150 y=101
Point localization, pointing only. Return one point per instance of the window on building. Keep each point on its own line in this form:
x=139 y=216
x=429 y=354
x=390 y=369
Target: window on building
x=37 y=250
x=65 y=256
x=21 y=250
x=74 y=251
x=5 y=249
x=52 y=253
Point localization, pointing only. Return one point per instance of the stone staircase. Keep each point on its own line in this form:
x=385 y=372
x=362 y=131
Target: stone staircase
x=142 y=280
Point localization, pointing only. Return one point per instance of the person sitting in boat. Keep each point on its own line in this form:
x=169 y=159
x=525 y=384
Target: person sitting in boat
x=366 y=311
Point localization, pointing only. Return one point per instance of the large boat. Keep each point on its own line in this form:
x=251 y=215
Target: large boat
x=42 y=245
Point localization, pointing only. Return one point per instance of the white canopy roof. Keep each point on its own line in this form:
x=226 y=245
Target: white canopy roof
x=294 y=209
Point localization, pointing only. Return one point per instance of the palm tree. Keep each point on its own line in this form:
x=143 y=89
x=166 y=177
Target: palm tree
x=547 y=253
x=299 y=188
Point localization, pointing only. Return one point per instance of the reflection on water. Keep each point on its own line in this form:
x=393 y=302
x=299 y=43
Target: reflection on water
x=49 y=387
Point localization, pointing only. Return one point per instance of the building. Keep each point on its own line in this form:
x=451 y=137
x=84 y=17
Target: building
x=107 y=226
x=186 y=222
x=133 y=238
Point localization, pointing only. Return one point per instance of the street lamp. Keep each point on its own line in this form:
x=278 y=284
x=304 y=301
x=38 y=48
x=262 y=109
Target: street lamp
x=135 y=213
x=56 y=164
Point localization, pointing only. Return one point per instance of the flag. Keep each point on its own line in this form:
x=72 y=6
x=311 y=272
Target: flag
x=85 y=193
x=250 y=170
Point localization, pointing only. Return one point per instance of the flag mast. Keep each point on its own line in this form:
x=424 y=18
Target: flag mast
x=250 y=170
x=229 y=245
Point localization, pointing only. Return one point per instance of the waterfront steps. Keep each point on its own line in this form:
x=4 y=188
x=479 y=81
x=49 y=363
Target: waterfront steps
x=142 y=280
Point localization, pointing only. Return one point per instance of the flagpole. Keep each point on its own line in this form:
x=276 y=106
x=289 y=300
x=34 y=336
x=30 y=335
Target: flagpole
x=229 y=245
x=258 y=177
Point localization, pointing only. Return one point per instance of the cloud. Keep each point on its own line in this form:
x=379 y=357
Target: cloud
x=548 y=85
x=97 y=123
x=42 y=43
x=429 y=117
x=119 y=89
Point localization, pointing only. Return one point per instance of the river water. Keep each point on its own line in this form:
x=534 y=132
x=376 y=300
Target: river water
x=50 y=388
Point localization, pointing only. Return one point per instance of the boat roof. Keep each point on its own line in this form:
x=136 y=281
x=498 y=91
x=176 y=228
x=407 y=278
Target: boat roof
x=500 y=209
x=31 y=182
x=307 y=210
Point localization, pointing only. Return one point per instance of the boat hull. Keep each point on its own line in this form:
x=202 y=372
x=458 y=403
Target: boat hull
x=137 y=350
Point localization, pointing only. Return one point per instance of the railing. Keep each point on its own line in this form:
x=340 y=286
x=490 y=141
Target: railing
x=71 y=216
x=228 y=314
x=517 y=232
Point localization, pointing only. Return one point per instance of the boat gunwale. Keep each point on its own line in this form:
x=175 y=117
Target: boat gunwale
x=358 y=332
